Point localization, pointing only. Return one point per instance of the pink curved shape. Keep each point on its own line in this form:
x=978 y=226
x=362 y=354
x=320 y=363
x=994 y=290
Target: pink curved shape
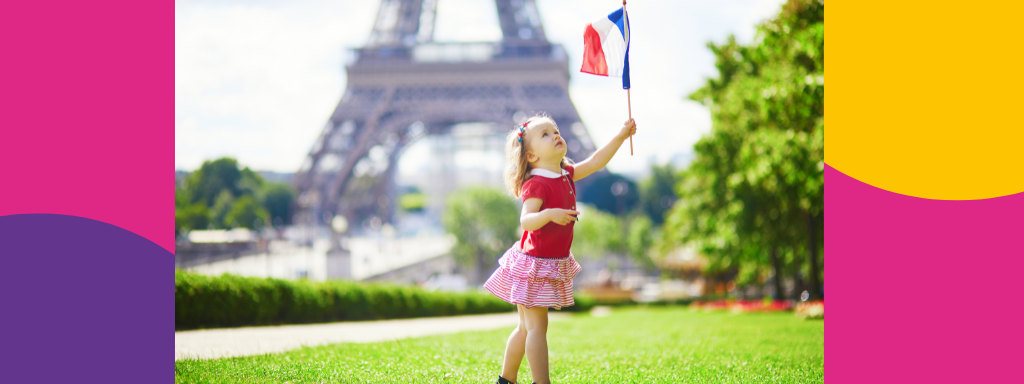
x=922 y=290
x=87 y=113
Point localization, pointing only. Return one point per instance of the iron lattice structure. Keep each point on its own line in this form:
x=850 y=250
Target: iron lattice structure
x=403 y=86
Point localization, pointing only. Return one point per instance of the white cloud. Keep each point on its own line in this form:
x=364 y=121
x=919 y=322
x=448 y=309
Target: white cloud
x=258 y=80
x=258 y=83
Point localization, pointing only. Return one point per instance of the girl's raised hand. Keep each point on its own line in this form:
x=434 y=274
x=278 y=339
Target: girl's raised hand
x=561 y=216
x=628 y=129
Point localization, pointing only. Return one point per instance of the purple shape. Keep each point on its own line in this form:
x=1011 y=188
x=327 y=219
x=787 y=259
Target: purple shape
x=87 y=112
x=921 y=290
x=83 y=300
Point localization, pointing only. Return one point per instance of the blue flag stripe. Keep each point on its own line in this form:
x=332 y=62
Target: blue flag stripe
x=625 y=66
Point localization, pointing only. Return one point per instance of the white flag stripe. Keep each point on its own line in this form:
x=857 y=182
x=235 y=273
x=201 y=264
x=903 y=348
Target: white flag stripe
x=614 y=47
x=602 y=26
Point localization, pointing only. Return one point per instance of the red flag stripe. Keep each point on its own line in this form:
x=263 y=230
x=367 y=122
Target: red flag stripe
x=593 y=55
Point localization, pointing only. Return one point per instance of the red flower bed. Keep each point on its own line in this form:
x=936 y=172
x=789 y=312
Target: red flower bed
x=744 y=305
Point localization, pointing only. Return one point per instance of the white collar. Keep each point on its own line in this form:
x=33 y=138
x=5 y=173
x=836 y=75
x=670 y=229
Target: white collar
x=547 y=173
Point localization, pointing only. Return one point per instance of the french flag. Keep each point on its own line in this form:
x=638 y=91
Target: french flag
x=606 y=47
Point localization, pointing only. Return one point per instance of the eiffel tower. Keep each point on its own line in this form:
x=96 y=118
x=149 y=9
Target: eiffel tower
x=403 y=86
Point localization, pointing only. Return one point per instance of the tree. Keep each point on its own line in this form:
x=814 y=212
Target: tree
x=194 y=216
x=657 y=192
x=181 y=199
x=755 y=191
x=206 y=183
x=640 y=239
x=484 y=221
x=277 y=199
x=597 y=233
x=220 y=185
x=246 y=213
x=611 y=193
x=221 y=207
x=249 y=183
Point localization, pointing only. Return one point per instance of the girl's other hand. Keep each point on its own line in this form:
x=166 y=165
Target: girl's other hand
x=628 y=129
x=561 y=216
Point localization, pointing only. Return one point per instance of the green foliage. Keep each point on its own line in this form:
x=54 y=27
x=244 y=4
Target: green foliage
x=231 y=196
x=484 y=221
x=749 y=272
x=581 y=303
x=249 y=183
x=639 y=239
x=277 y=199
x=601 y=194
x=194 y=216
x=412 y=201
x=221 y=207
x=597 y=233
x=202 y=301
x=181 y=199
x=206 y=183
x=657 y=192
x=245 y=212
x=757 y=181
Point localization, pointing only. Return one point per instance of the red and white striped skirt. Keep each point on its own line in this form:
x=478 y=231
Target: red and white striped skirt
x=534 y=281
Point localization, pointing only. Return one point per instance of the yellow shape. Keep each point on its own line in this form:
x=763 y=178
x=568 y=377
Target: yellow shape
x=928 y=97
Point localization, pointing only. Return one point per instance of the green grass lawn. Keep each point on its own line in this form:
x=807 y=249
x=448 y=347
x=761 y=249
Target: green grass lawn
x=635 y=345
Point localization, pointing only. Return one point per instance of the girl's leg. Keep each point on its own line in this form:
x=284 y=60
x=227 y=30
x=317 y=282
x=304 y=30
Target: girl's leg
x=537 y=343
x=515 y=348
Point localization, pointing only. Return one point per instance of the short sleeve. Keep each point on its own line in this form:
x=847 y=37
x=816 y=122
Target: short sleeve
x=534 y=188
x=572 y=171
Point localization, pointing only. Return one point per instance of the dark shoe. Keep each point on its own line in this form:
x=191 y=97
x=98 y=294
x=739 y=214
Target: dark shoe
x=502 y=380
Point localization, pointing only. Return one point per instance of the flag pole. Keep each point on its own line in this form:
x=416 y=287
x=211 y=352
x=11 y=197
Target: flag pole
x=629 y=103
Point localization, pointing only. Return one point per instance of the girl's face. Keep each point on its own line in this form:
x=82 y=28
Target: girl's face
x=546 y=143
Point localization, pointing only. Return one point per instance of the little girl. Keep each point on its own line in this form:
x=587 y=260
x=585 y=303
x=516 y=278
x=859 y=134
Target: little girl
x=536 y=273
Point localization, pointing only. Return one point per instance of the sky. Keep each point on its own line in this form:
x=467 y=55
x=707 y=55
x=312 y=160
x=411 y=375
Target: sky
x=257 y=80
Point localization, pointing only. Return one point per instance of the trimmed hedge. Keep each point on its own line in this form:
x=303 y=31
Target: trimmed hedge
x=202 y=301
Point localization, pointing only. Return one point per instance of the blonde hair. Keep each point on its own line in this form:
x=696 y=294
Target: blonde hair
x=517 y=169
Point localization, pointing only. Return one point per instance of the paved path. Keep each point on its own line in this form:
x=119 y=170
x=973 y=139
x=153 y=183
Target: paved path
x=227 y=342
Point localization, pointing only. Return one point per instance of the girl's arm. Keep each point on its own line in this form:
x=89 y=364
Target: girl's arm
x=603 y=155
x=531 y=219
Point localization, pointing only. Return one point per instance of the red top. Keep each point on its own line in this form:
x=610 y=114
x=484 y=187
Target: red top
x=555 y=191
